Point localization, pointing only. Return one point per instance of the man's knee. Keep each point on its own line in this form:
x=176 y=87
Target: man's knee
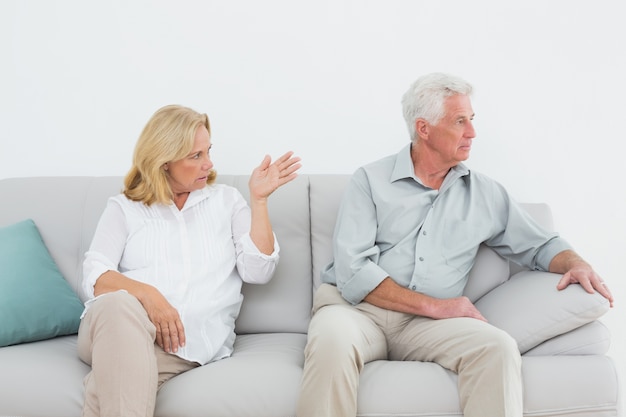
x=499 y=344
x=334 y=335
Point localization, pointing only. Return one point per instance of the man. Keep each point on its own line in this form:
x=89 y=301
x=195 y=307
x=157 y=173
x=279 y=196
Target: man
x=407 y=233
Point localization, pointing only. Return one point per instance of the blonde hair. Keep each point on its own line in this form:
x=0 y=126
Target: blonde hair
x=168 y=136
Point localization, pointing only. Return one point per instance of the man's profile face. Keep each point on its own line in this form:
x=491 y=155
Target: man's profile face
x=451 y=138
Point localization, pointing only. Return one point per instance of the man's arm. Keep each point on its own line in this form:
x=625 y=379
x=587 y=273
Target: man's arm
x=576 y=270
x=392 y=296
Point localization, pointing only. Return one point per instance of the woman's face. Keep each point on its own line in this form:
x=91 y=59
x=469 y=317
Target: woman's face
x=190 y=173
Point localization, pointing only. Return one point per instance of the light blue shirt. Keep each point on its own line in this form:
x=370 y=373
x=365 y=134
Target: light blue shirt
x=391 y=225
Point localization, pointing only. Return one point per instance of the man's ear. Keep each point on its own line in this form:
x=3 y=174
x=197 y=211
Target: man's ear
x=421 y=128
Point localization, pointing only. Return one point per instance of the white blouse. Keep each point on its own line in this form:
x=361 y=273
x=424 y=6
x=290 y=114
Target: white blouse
x=196 y=257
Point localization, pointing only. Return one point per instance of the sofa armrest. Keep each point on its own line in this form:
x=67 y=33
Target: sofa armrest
x=530 y=308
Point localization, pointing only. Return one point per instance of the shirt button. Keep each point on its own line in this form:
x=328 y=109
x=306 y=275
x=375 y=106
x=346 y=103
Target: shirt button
x=424 y=233
x=421 y=259
x=413 y=287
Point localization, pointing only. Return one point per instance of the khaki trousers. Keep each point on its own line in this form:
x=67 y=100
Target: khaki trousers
x=127 y=368
x=342 y=338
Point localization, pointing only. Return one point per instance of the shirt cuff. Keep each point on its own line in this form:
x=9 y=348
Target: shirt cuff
x=250 y=248
x=548 y=251
x=362 y=283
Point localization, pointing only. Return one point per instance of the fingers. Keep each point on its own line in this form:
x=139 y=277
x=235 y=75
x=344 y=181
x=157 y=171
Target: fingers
x=268 y=176
x=591 y=285
x=603 y=289
x=170 y=336
x=563 y=282
x=284 y=157
x=265 y=163
x=287 y=166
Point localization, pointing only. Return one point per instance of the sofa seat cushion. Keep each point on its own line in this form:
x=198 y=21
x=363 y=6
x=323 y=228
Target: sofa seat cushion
x=587 y=387
x=394 y=388
x=260 y=379
x=42 y=379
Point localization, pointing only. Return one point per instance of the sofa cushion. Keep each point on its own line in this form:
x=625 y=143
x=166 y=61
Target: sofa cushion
x=260 y=379
x=530 y=308
x=36 y=302
x=489 y=271
x=326 y=191
x=42 y=379
x=284 y=303
x=591 y=339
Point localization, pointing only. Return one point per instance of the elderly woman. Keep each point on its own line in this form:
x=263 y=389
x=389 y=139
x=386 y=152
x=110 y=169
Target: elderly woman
x=164 y=271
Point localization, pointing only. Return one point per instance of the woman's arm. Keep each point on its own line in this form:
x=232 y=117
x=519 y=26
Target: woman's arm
x=266 y=179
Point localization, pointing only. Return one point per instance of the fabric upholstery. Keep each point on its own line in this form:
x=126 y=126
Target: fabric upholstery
x=566 y=376
x=536 y=311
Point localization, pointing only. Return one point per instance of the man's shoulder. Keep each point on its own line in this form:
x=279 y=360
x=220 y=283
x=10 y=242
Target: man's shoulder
x=482 y=178
x=484 y=184
x=384 y=164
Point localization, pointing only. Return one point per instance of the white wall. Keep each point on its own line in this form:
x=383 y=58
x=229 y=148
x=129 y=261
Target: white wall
x=78 y=80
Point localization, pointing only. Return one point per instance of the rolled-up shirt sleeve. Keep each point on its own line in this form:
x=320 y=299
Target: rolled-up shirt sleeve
x=355 y=268
x=254 y=266
x=522 y=239
x=106 y=248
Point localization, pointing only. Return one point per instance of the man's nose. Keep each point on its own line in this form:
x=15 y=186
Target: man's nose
x=470 y=133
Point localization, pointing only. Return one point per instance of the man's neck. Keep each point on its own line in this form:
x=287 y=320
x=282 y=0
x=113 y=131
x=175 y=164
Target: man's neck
x=428 y=168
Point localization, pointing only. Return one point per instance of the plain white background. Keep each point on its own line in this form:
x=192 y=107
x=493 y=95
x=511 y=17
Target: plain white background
x=324 y=78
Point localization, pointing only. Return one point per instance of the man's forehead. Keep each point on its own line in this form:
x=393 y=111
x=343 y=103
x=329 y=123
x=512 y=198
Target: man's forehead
x=458 y=105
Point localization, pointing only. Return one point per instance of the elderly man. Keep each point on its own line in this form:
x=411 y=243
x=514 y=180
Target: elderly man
x=407 y=233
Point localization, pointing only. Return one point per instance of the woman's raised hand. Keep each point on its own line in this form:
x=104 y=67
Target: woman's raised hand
x=267 y=177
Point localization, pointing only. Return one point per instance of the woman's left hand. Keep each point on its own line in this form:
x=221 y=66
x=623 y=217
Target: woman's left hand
x=268 y=176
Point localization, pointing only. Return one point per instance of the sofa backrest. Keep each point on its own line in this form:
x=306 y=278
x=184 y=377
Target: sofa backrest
x=66 y=211
x=283 y=304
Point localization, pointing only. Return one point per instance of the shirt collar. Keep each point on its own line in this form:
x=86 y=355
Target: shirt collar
x=194 y=198
x=403 y=168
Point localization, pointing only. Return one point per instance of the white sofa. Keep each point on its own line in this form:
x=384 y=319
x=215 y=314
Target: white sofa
x=565 y=369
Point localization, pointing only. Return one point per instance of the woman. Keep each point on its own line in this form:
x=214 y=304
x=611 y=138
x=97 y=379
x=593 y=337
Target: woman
x=164 y=271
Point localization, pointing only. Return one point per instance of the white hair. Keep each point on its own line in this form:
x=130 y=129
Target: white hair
x=426 y=96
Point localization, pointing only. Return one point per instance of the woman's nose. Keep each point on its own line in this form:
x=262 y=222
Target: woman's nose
x=207 y=163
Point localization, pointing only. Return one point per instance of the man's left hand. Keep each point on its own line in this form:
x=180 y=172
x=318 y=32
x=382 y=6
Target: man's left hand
x=582 y=273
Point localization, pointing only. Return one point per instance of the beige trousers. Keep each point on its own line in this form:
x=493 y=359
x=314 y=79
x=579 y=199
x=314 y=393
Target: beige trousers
x=342 y=338
x=127 y=368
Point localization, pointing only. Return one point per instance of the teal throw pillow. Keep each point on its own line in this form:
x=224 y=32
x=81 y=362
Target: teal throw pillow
x=36 y=302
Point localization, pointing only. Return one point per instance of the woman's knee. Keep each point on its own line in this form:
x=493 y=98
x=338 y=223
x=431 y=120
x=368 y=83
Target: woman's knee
x=117 y=308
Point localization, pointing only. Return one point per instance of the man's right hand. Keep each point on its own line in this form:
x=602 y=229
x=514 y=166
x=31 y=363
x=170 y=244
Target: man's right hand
x=454 y=307
x=392 y=296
